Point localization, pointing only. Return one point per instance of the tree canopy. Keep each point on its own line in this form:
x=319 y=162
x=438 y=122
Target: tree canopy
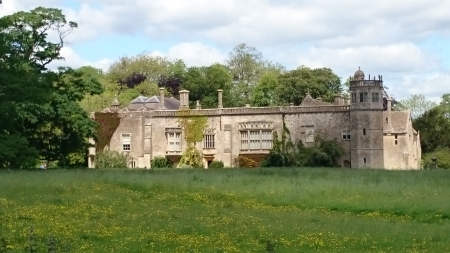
x=41 y=117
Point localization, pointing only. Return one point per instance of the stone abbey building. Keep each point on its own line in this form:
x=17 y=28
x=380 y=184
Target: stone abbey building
x=371 y=136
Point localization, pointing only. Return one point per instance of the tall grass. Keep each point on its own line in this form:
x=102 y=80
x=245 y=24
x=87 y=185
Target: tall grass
x=229 y=210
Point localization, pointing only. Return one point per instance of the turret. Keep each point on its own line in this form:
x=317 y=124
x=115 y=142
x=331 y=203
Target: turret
x=366 y=120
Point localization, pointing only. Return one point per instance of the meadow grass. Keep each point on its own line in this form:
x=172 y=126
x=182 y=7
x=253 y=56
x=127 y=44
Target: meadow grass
x=228 y=210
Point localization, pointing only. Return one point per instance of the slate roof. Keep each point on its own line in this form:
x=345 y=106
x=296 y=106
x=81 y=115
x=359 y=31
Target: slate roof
x=142 y=103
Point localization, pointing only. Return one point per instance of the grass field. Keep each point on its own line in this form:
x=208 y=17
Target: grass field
x=297 y=210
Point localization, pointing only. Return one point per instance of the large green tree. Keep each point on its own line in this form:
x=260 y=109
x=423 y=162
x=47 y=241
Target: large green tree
x=25 y=51
x=320 y=82
x=264 y=92
x=434 y=127
x=41 y=115
x=63 y=127
x=203 y=83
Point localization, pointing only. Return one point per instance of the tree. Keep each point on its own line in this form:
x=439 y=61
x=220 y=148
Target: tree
x=63 y=127
x=434 y=127
x=417 y=104
x=97 y=102
x=264 y=92
x=203 y=83
x=294 y=85
x=246 y=67
x=25 y=51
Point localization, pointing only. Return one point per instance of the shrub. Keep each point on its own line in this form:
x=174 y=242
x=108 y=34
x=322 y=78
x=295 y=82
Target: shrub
x=324 y=152
x=244 y=162
x=443 y=158
x=191 y=158
x=216 y=165
x=108 y=159
x=161 y=162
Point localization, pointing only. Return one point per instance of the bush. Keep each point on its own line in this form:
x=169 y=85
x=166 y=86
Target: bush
x=244 y=162
x=108 y=159
x=216 y=165
x=161 y=162
x=191 y=158
x=285 y=153
x=443 y=158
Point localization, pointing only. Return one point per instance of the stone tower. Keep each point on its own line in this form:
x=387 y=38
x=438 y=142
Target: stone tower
x=366 y=121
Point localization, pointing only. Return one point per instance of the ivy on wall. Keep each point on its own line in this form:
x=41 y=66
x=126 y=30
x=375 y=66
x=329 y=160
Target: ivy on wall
x=107 y=125
x=193 y=124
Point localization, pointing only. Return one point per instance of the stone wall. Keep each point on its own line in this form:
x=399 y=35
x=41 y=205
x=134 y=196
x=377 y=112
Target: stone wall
x=329 y=125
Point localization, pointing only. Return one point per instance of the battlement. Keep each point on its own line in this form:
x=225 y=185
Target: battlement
x=358 y=80
x=364 y=83
x=252 y=110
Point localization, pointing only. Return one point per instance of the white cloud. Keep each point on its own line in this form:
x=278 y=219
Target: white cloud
x=73 y=60
x=401 y=57
x=432 y=86
x=383 y=37
x=196 y=54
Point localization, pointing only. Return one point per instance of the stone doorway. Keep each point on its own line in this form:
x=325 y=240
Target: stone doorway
x=347 y=164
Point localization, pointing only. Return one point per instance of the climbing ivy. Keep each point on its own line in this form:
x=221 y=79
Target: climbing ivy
x=107 y=125
x=193 y=124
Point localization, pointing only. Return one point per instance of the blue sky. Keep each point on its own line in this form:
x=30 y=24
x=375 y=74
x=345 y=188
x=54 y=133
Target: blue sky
x=405 y=41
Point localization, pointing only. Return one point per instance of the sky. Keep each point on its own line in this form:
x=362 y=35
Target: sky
x=405 y=41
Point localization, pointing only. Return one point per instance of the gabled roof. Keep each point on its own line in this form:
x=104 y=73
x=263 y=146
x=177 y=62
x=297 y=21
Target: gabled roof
x=153 y=99
x=399 y=121
x=309 y=101
x=139 y=100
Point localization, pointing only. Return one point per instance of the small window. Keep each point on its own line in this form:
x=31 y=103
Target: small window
x=353 y=97
x=126 y=142
x=364 y=160
x=396 y=140
x=364 y=131
x=346 y=135
x=363 y=97
x=375 y=97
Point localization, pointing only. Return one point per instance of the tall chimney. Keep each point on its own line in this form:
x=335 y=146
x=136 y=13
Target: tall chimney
x=161 y=99
x=184 y=99
x=220 y=105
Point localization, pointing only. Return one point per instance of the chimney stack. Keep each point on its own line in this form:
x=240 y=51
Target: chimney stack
x=161 y=99
x=220 y=105
x=184 y=100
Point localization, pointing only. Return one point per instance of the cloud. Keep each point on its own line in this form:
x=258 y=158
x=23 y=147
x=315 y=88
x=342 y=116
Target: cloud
x=263 y=22
x=73 y=60
x=395 y=58
x=196 y=54
x=432 y=85
x=383 y=37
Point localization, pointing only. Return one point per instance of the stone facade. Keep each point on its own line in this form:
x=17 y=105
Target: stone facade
x=370 y=136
